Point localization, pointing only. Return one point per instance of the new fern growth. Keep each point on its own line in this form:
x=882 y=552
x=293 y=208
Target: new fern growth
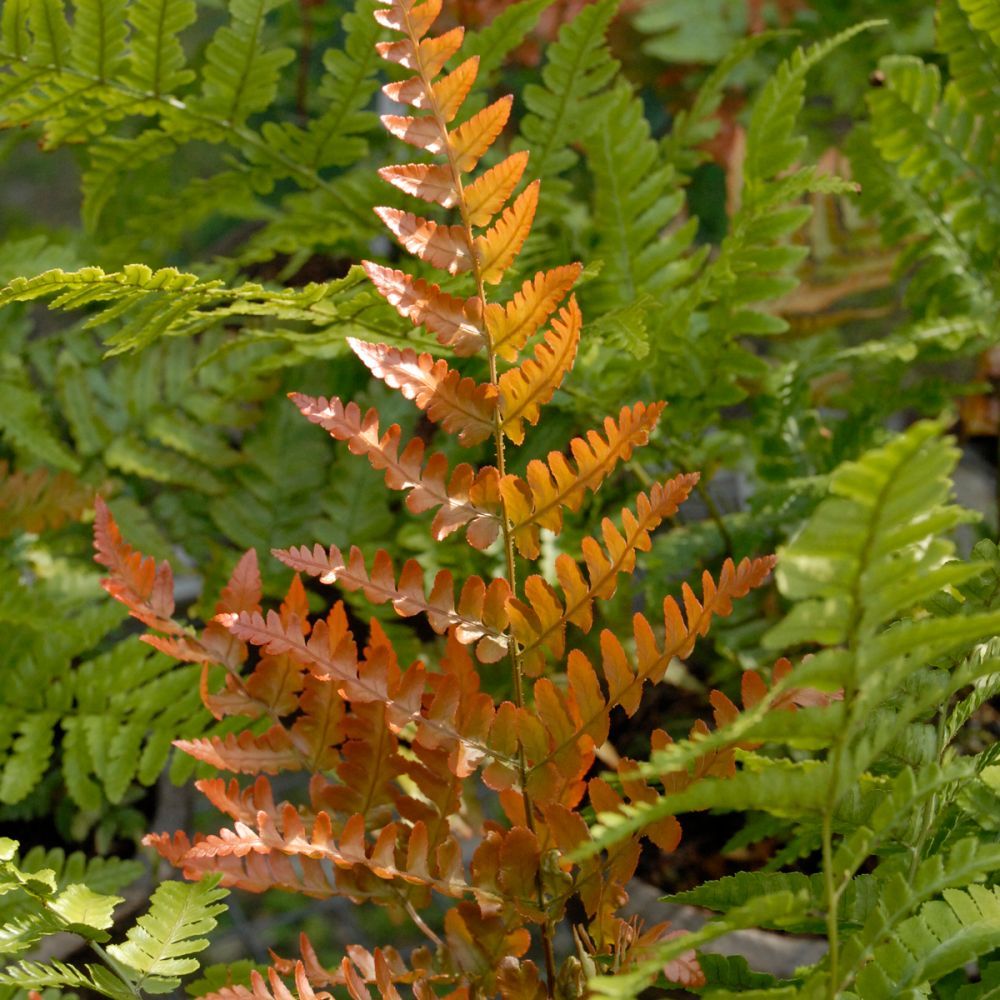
x=389 y=748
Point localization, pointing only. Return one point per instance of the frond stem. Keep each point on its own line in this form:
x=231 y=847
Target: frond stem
x=517 y=666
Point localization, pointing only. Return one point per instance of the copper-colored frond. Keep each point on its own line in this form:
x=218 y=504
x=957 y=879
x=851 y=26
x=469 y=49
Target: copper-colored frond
x=539 y=622
x=448 y=93
x=423 y=132
x=472 y=138
x=498 y=246
x=429 y=181
x=680 y=635
x=537 y=501
x=511 y=325
x=452 y=320
x=459 y=404
x=441 y=246
x=464 y=498
x=451 y=91
x=410 y=91
x=479 y=617
x=145 y=588
x=429 y=56
x=525 y=390
x=489 y=192
x=415 y=19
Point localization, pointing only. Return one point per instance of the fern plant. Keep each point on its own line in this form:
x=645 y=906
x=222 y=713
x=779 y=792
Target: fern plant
x=38 y=902
x=119 y=81
x=904 y=638
x=388 y=747
x=88 y=711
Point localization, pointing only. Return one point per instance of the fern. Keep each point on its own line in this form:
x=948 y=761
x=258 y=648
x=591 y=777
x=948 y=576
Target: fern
x=113 y=712
x=78 y=81
x=157 y=950
x=577 y=67
x=872 y=555
x=154 y=304
x=356 y=719
x=161 y=945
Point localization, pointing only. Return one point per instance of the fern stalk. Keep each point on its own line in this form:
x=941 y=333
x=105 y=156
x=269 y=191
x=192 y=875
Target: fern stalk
x=517 y=666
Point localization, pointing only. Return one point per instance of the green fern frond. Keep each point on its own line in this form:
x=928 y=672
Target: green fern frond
x=494 y=42
x=157 y=62
x=771 y=146
x=899 y=896
x=102 y=875
x=878 y=535
x=967 y=33
x=859 y=899
x=151 y=304
x=27 y=426
x=161 y=945
x=60 y=975
x=694 y=126
x=112 y=712
x=578 y=66
x=636 y=198
x=943 y=936
x=337 y=136
x=240 y=75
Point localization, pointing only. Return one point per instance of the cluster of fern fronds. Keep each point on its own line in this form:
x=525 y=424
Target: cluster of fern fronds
x=453 y=724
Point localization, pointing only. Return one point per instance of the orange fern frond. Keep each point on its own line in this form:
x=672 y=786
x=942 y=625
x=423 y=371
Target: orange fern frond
x=415 y=19
x=479 y=617
x=270 y=752
x=439 y=245
x=526 y=389
x=147 y=590
x=537 y=500
x=652 y=659
x=468 y=499
x=292 y=838
x=424 y=133
x=431 y=54
x=429 y=181
x=472 y=138
x=455 y=322
x=379 y=967
x=459 y=404
x=539 y=622
x=236 y=802
x=39 y=500
x=513 y=324
x=458 y=719
x=489 y=192
x=271 y=989
x=497 y=248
